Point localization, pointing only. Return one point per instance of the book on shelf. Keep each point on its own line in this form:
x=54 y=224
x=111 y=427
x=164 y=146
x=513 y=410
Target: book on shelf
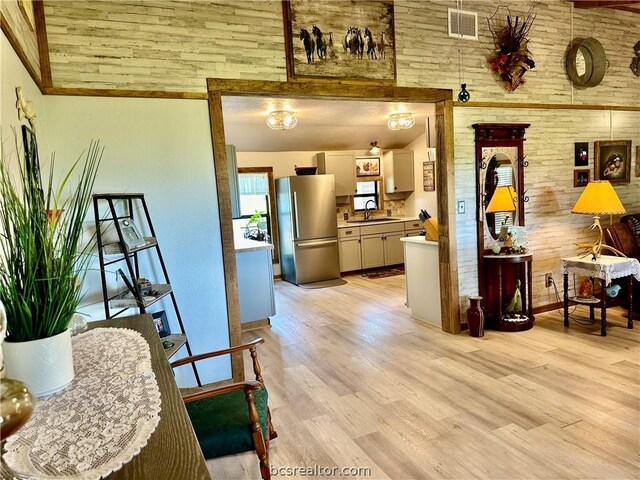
x=126 y=299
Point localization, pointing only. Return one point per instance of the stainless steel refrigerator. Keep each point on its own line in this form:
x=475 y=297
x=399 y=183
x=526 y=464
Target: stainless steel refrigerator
x=308 y=228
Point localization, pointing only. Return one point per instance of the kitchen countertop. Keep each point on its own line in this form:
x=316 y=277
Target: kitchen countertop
x=343 y=224
x=419 y=240
x=247 y=245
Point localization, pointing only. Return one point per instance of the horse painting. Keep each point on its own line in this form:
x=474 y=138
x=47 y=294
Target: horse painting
x=321 y=43
x=309 y=44
x=381 y=45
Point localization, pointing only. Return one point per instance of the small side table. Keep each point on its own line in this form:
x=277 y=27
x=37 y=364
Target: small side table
x=527 y=296
x=605 y=268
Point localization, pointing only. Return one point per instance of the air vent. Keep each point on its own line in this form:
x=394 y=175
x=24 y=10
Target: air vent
x=468 y=26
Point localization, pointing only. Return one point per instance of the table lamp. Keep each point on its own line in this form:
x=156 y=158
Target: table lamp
x=598 y=198
x=502 y=201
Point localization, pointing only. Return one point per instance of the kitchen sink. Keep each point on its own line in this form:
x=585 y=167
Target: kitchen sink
x=374 y=220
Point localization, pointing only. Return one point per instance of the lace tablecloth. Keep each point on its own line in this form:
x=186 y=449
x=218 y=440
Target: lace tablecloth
x=99 y=422
x=607 y=267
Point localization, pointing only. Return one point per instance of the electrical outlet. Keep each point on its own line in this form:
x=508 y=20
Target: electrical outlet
x=548 y=280
x=461 y=206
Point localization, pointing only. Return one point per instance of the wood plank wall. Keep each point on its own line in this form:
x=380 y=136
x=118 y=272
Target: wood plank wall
x=174 y=45
x=24 y=35
x=552 y=229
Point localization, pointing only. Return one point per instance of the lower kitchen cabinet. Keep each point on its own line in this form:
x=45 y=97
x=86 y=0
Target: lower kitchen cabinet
x=350 y=258
x=373 y=251
x=393 y=248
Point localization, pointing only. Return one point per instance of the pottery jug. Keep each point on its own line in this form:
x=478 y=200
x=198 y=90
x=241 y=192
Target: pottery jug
x=475 y=317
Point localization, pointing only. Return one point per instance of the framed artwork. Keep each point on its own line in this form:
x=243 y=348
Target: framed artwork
x=130 y=234
x=637 y=160
x=367 y=166
x=161 y=323
x=428 y=176
x=581 y=154
x=613 y=160
x=341 y=39
x=581 y=177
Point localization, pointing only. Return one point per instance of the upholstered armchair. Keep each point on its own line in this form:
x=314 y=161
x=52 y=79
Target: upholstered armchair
x=232 y=418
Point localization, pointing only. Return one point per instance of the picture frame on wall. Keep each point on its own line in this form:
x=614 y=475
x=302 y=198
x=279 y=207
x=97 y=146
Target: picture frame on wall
x=637 y=160
x=428 y=176
x=612 y=160
x=130 y=234
x=581 y=177
x=341 y=39
x=581 y=156
x=367 y=166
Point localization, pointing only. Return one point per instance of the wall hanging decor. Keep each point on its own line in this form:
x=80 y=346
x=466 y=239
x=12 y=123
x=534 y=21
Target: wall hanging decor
x=586 y=62
x=635 y=62
x=637 y=160
x=428 y=176
x=613 y=160
x=512 y=58
x=340 y=39
x=581 y=177
x=581 y=154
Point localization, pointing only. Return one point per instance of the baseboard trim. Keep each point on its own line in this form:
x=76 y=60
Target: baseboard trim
x=547 y=308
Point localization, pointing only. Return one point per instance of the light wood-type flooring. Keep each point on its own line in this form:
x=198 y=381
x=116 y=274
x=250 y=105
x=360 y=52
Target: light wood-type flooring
x=355 y=382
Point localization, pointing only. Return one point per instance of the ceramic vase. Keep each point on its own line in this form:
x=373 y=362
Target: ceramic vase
x=475 y=317
x=44 y=365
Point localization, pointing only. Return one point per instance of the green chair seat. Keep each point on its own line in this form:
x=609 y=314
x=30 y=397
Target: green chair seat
x=222 y=423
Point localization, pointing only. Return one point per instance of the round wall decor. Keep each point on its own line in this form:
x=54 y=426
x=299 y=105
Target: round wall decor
x=586 y=62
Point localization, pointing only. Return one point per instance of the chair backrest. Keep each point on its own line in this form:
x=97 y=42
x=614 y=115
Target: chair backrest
x=619 y=236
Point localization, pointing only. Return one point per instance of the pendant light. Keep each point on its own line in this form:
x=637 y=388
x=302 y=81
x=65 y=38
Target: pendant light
x=463 y=94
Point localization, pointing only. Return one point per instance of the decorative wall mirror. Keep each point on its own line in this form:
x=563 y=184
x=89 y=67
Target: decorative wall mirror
x=586 y=62
x=500 y=165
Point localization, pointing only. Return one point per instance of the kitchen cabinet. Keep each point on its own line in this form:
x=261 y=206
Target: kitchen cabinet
x=397 y=171
x=349 y=247
x=255 y=282
x=350 y=259
x=372 y=251
x=343 y=167
x=393 y=250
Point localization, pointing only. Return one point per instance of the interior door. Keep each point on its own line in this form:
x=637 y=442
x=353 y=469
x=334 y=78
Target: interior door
x=313 y=207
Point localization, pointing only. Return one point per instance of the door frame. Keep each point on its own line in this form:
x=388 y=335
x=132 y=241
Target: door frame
x=336 y=90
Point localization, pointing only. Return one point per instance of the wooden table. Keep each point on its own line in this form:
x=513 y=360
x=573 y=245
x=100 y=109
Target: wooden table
x=172 y=451
x=602 y=268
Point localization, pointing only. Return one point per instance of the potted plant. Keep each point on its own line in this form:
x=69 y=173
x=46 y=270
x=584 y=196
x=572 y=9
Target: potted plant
x=42 y=264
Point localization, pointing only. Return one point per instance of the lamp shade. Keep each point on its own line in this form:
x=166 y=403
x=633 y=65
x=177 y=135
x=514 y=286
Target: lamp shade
x=598 y=198
x=502 y=200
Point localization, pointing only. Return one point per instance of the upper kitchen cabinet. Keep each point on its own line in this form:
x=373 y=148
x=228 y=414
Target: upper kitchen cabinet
x=398 y=171
x=343 y=167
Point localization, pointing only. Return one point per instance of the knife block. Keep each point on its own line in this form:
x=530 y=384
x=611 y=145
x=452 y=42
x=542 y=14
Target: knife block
x=431 y=229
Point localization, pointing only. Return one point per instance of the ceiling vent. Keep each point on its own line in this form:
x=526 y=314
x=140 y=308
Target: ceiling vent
x=467 y=27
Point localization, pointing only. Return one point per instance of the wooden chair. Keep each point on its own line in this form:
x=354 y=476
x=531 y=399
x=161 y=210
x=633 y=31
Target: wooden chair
x=233 y=418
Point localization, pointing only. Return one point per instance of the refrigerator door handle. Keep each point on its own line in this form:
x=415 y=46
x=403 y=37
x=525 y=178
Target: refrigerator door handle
x=316 y=244
x=295 y=212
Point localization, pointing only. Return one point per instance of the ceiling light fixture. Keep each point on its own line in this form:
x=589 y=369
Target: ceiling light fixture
x=375 y=149
x=282 y=119
x=401 y=121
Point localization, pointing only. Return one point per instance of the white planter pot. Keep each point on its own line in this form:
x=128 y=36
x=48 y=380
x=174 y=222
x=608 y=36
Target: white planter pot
x=45 y=365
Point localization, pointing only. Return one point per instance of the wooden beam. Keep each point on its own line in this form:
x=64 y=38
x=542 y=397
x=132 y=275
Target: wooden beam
x=335 y=90
x=226 y=232
x=43 y=43
x=99 y=92
x=545 y=106
x=13 y=41
x=603 y=3
x=447 y=241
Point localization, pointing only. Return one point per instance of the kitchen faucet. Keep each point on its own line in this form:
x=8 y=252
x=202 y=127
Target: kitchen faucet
x=367 y=212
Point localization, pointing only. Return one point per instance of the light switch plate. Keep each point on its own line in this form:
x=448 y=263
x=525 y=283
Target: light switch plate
x=461 y=206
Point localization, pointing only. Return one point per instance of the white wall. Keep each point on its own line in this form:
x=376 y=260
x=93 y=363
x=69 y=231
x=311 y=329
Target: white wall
x=12 y=75
x=420 y=199
x=161 y=148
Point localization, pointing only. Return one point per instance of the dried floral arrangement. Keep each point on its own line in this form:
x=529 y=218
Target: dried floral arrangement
x=512 y=58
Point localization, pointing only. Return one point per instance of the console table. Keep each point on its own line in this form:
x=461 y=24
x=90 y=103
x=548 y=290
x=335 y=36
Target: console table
x=605 y=268
x=173 y=450
x=494 y=287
